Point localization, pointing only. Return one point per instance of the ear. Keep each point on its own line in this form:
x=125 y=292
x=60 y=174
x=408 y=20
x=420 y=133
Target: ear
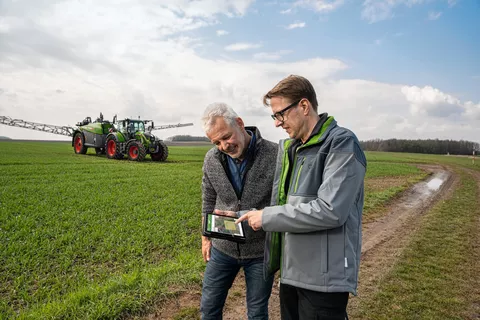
x=305 y=105
x=240 y=123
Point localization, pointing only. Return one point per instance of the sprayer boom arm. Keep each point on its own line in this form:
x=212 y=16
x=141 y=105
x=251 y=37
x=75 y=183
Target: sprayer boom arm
x=62 y=130
x=168 y=126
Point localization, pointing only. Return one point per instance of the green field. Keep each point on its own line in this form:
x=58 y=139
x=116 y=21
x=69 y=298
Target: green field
x=84 y=237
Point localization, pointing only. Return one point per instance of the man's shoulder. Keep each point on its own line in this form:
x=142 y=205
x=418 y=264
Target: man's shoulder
x=268 y=147
x=344 y=140
x=212 y=154
x=269 y=144
x=339 y=132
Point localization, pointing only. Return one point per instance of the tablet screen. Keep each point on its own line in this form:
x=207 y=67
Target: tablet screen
x=224 y=224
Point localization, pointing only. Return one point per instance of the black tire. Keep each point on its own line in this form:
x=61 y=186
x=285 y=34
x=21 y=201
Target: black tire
x=79 y=143
x=136 y=151
x=112 y=148
x=100 y=151
x=162 y=153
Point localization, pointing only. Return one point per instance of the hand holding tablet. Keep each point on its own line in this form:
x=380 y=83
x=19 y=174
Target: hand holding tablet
x=223 y=227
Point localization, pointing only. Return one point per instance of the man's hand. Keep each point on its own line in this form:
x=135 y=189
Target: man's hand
x=254 y=219
x=225 y=213
x=206 y=248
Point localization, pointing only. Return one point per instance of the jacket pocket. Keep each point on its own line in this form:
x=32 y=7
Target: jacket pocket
x=305 y=257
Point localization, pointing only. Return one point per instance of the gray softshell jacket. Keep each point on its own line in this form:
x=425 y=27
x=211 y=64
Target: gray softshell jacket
x=218 y=193
x=315 y=234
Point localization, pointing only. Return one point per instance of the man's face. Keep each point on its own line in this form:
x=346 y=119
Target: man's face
x=229 y=139
x=292 y=121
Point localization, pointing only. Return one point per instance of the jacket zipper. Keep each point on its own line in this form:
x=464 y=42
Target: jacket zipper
x=238 y=244
x=298 y=175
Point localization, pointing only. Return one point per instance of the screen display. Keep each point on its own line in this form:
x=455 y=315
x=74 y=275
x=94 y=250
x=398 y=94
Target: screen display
x=224 y=224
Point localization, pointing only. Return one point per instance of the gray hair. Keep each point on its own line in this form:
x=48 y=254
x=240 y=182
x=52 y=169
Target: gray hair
x=215 y=110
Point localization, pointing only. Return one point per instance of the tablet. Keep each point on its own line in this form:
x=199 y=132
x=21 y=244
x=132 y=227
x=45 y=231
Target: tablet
x=223 y=227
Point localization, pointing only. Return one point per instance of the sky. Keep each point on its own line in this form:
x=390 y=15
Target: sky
x=405 y=69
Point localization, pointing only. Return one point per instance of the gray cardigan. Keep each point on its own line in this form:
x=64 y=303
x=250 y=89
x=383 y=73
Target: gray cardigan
x=218 y=193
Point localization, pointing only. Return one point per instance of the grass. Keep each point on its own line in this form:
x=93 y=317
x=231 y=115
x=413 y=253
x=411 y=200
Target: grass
x=435 y=274
x=84 y=237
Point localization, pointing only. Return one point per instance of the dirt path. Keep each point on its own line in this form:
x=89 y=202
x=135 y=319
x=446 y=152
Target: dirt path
x=383 y=241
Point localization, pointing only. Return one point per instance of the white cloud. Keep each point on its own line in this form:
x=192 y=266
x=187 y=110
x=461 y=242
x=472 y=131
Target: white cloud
x=287 y=11
x=207 y=8
x=240 y=46
x=472 y=110
x=222 y=32
x=270 y=55
x=396 y=111
x=434 y=15
x=378 y=42
x=295 y=25
x=451 y=3
x=432 y=102
x=320 y=5
x=378 y=10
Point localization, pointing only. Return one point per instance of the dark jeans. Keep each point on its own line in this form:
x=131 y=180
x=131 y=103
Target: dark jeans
x=302 y=304
x=218 y=278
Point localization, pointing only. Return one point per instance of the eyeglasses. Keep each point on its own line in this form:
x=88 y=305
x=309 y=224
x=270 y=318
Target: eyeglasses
x=279 y=115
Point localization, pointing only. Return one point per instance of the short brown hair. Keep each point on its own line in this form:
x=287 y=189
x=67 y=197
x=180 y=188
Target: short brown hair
x=293 y=88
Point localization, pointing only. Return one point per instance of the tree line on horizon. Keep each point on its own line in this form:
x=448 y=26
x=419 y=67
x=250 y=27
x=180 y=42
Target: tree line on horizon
x=187 y=138
x=429 y=146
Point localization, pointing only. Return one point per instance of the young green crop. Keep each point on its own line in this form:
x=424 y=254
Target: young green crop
x=85 y=237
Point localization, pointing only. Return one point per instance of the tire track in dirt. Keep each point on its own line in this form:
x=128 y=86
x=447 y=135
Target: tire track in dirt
x=383 y=241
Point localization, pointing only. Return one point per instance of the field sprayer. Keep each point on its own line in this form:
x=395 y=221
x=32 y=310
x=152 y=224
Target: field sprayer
x=129 y=136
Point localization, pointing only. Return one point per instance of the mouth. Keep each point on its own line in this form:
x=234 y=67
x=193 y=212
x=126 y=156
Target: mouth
x=231 y=150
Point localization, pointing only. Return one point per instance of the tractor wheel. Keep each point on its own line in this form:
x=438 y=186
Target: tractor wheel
x=112 y=148
x=79 y=144
x=136 y=151
x=162 y=153
x=99 y=151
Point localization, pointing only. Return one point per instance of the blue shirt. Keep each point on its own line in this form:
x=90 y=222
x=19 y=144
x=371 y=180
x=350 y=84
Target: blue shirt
x=237 y=169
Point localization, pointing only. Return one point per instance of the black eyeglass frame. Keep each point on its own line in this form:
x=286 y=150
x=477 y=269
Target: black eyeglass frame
x=281 y=112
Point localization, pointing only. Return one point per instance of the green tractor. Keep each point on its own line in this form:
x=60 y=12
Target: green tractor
x=130 y=137
x=118 y=138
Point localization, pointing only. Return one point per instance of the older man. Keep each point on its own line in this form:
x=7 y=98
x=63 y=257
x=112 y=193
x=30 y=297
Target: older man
x=237 y=175
x=316 y=222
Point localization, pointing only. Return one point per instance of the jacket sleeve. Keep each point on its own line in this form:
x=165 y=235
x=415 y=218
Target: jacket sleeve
x=209 y=195
x=343 y=177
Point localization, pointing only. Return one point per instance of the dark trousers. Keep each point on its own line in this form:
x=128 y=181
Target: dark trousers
x=302 y=304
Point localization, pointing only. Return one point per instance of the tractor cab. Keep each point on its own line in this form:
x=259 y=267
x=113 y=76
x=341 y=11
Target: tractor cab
x=129 y=127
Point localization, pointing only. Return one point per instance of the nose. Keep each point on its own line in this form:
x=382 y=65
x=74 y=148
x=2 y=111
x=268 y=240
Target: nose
x=278 y=123
x=224 y=145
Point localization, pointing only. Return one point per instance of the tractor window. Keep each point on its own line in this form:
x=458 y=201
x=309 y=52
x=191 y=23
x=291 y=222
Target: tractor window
x=120 y=126
x=139 y=126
